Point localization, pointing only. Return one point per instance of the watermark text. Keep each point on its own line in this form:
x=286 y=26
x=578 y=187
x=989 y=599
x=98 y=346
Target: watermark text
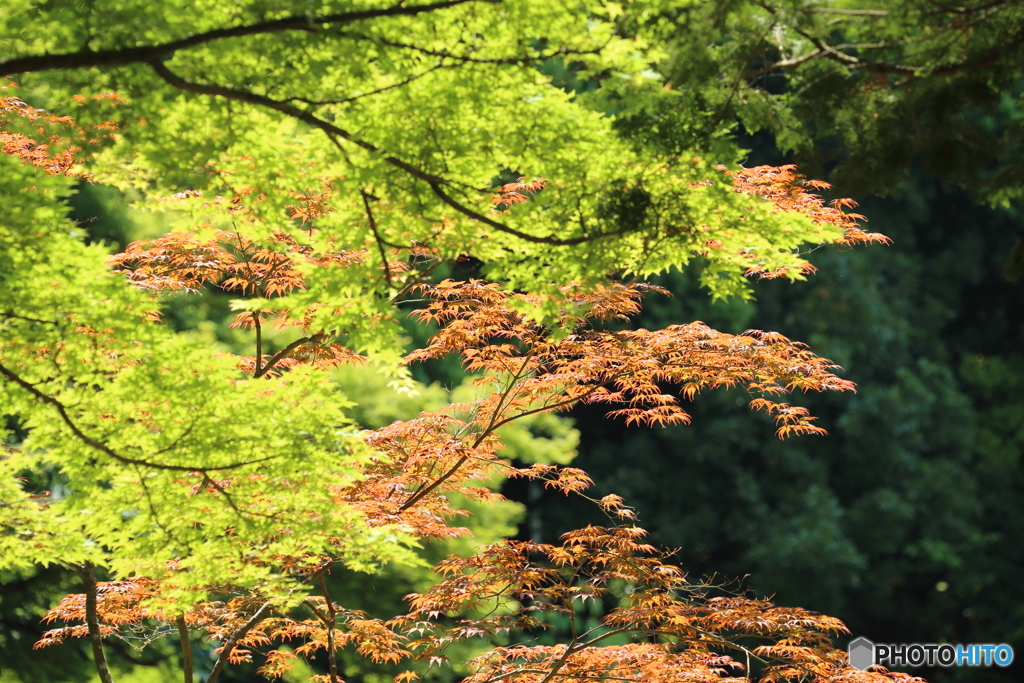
x=864 y=653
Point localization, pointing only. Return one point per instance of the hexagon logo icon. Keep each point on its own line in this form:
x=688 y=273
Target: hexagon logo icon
x=862 y=653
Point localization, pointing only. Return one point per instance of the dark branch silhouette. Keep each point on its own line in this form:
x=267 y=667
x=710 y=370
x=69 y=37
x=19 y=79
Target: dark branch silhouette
x=85 y=573
x=83 y=59
x=286 y=351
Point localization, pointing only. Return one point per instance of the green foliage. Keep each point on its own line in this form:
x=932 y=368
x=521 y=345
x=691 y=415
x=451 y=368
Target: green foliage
x=410 y=123
x=858 y=89
x=136 y=389
x=419 y=111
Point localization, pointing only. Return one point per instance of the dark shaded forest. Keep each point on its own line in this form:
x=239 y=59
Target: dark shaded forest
x=903 y=519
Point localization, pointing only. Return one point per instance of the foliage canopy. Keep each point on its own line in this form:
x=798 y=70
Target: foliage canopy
x=322 y=164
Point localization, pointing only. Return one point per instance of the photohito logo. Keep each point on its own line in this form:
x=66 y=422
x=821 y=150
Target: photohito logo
x=863 y=654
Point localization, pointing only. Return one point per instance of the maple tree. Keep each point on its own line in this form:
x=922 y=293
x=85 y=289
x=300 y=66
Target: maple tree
x=216 y=491
x=220 y=489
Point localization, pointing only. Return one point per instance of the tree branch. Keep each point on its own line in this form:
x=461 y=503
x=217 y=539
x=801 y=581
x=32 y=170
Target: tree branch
x=421 y=494
x=102 y=447
x=12 y=316
x=233 y=641
x=444 y=54
x=849 y=12
x=376 y=236
x=415 y=277
x=493 y=424
x=186 y=648
x=435 y=182
x=86 y=58
x=788 y=63
x=85 y=573
x=834 y=53
x=345 y=100
x=332 y=623
x=259 y=341
x=435 y=185
x=283 y=353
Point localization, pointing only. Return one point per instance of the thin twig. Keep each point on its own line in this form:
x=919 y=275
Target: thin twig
x=283 y=353
x=849 y=12
x=107 y=450
x=346 y=100
x=259 y=341
x=376 y=235
x=491 y=426
x=444 y=54
x=434 y=182
x=414 y=280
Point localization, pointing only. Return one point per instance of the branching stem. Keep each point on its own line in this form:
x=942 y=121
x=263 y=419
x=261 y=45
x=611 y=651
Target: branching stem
x=436 y=183
x=225 y=652
x=332 y=623
x=259 y=342
x=104 y=448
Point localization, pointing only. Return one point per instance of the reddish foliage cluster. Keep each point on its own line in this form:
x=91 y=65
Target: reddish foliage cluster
x=626 y=368
x=788 y=191
x=235 y=263
x=312 y=205
x=59 y=139
x=183 y=261
x=679 y=634
x=526 y=369
x=517 y=192
x=121 y=603
x=664 y=628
